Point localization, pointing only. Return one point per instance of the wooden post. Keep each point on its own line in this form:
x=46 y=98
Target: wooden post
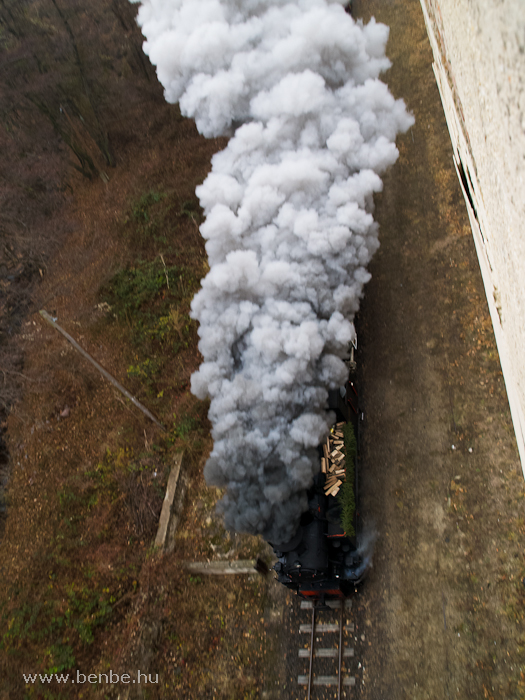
x=101 y=369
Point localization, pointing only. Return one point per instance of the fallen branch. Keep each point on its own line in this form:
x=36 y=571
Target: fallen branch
x=101 y=369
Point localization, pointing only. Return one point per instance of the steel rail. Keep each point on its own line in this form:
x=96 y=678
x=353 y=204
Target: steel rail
x=340 y=671
x=312 y=639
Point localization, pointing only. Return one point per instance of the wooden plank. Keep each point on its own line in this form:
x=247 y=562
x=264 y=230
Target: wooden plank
x=168 y=516
x=222 y=568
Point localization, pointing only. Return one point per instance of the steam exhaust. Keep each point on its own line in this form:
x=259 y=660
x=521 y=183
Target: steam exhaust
x=289 y=228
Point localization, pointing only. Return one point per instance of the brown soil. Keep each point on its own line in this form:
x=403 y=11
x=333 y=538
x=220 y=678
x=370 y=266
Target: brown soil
x=82 y=587
x=441 y=615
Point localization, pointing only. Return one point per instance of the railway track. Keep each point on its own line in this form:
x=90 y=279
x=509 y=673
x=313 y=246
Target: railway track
x=328 y=656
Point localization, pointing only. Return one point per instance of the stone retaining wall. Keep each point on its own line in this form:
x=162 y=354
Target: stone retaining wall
x=479 y=55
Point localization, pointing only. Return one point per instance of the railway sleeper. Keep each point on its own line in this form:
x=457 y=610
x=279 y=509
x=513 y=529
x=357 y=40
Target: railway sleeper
x=333 y=604
x=325 y=627
x=326 y=680
x=325 y=653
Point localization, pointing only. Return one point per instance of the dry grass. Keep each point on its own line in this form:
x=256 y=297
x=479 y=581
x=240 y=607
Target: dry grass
x=82 y=587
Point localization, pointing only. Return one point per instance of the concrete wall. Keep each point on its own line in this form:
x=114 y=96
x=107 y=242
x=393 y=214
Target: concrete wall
x=479 y=54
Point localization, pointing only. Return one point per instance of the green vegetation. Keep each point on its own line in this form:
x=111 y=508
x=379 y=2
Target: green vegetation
x=150 y=300
x=141 y=209
x=154 y=216
x=145 y=370
x=148 y=219
x=350 y=443
x=346 y=496
x=62 y=603
x=66 y=619
x=183 y=427
x=128 y=488
x=132 y=291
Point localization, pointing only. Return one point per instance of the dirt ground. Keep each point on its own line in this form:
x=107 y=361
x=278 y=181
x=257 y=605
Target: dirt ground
x=441 y=614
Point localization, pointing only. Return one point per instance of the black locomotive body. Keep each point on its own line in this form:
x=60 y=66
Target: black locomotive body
x=322 y=561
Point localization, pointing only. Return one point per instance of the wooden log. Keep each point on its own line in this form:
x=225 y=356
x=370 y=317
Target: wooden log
x=326 y=452
x=323 y=465
x=337 y=486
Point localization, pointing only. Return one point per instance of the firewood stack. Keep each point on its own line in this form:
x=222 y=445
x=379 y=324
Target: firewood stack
x=333 y=461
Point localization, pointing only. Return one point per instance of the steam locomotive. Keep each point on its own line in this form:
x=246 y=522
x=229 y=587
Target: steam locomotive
x=323 y=560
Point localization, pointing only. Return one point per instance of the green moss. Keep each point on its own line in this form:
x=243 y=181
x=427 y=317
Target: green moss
x=346 y=496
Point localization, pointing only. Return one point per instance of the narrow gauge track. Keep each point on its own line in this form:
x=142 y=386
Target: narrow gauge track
x=327 y=649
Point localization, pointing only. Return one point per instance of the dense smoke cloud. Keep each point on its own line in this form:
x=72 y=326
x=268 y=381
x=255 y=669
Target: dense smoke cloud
x=289 y=228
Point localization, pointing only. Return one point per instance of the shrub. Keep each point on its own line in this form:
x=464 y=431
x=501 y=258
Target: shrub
x=132 y=291
x=346 y=496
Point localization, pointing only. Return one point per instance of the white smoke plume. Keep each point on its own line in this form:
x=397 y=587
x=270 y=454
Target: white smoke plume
x=289 y=228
